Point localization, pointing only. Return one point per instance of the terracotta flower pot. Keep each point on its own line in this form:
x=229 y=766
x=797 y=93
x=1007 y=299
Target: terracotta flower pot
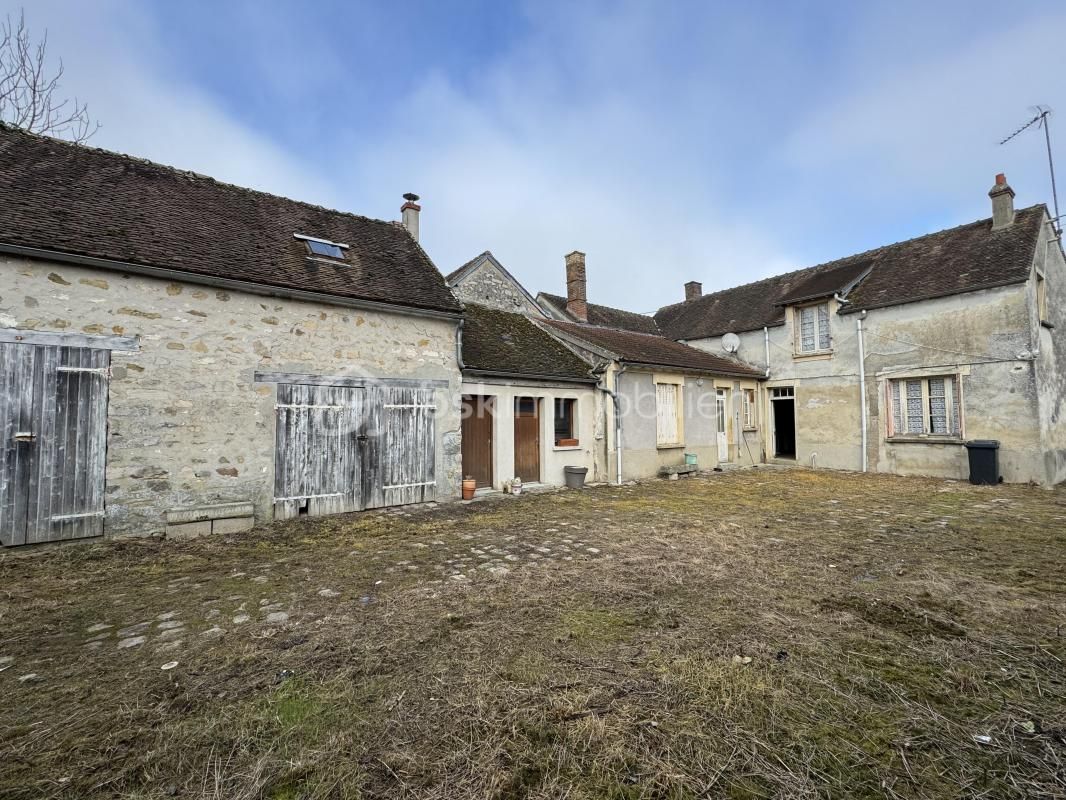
x=469 y=487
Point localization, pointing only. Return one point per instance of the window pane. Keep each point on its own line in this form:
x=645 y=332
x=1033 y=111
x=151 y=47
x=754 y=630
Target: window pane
x=915 y=417
x=806 y=329
x=938 y=406
x=324 y=249
x=823 y=326
x=897 y=408
x=564 y=419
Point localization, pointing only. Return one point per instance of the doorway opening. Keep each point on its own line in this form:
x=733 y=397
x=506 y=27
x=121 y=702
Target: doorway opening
x=477 y=438
x=527 y=439
x=783 y=402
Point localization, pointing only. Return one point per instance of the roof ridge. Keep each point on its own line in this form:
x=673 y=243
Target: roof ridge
x=186 y=173
x=860 y=254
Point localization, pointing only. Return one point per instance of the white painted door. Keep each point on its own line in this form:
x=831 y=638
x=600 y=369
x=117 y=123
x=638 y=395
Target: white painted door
x=722 y=413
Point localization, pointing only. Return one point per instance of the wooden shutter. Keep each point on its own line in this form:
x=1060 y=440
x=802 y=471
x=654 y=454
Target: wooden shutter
x=666 y=427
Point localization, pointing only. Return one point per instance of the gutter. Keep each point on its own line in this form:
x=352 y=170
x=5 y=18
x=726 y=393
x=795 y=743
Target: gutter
x=862 y=385
x=753 y=375
x=248 y=287
x=490 y=373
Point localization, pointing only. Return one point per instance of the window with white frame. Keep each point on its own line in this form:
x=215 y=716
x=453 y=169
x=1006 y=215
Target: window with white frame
x=749 y=409
x=667 y=413
x=812 y=328
x=925 y=406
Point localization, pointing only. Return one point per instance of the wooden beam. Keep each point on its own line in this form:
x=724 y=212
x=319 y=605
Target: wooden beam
x=296 y=378
x=17 y=336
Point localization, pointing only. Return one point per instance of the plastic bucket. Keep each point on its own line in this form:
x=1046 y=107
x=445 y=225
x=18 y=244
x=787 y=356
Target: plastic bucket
x=575 y=476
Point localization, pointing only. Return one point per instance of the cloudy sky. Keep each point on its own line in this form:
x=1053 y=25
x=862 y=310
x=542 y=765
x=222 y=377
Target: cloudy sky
x=671 y=141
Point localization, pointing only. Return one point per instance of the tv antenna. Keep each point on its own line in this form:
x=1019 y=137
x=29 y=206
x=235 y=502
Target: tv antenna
x=1041 y=121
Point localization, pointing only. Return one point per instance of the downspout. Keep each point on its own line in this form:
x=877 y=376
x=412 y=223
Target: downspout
x=862 y=385
x=459 y=343
x=766 y=342
x=617 y=422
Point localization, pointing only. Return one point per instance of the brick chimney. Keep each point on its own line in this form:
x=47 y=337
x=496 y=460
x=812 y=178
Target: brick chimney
x=1002 y=203
x=410 y=210
x=576 y=305
x=693 y=289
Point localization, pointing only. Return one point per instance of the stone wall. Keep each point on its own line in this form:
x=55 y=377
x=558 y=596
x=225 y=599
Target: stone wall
x=187 y=423
x=981 y=336
x=486 y=285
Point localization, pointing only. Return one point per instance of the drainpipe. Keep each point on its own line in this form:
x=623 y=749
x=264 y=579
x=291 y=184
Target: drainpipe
x=766 y=342
x=459 y=343
x=617 y=422
x=862 y=385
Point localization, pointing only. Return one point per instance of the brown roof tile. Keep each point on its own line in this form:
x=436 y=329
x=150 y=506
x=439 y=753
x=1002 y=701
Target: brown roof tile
x=88 y=202
x=652 y=350
x=962 y=259
x=500 y=341
x=607 y=317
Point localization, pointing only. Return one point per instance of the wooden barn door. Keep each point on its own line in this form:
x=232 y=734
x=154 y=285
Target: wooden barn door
x=53 y=442
x=477 y=439
x=408 y=462
x=320 y=433
x=527 y=439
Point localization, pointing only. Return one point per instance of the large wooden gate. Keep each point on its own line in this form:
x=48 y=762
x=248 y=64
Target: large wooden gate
x=53 y=442
x=347 y=448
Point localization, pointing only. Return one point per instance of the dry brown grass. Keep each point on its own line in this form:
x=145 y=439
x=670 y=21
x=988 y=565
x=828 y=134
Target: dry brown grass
x=888 y=622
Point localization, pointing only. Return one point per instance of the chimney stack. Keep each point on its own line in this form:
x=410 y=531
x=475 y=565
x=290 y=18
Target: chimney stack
x=576 y=305
x=693 y=289
x=410 y=210
x=1002 y=203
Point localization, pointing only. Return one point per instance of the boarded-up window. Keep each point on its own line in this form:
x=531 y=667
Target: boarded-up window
x=925 y=406
x=667 y=408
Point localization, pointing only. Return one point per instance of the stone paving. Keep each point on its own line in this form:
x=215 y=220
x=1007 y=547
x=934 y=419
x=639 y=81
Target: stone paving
x=463 y=558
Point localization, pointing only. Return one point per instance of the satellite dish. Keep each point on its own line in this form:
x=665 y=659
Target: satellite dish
x=730 y=342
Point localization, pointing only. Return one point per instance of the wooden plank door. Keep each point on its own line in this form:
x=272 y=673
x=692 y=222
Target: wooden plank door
x=477 y=439
x=53 y=424
x=722 y=415
x=318 y=450
x=408 y=462
x=527 y=439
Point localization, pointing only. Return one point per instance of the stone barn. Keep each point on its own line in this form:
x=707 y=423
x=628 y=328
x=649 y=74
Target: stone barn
x=186 y=356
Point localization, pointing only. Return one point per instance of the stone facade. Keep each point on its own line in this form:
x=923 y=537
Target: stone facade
x=488 y=284
x=187 y=423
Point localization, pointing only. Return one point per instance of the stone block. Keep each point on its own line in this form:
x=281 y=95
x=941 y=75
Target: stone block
x=189 y=530
x=232 y=525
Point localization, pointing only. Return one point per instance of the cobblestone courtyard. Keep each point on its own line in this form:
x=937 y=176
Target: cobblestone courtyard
x=750 y=634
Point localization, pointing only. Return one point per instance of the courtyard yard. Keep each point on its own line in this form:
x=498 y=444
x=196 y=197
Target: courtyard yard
x=745 y=635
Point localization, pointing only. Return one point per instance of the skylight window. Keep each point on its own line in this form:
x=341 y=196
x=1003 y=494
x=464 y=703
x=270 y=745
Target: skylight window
x=323 y=247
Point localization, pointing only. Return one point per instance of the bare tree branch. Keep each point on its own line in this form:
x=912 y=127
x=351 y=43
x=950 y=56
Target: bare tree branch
x=29 y=91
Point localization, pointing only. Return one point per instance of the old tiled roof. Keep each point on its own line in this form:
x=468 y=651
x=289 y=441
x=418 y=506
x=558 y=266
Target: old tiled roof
x=88 y=202
x=605 y=316
x=502 y=342
x=652 y=350
x=962 y=259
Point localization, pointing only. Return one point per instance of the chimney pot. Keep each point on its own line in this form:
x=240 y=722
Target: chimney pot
x=409 y=211
x=576 y=305
x=1002 y=203
x=693 y=289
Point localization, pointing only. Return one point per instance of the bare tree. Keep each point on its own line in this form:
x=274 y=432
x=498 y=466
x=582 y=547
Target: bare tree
x=28 y=89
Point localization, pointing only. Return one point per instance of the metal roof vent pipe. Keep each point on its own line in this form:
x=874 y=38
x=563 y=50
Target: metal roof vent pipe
x=410 y=210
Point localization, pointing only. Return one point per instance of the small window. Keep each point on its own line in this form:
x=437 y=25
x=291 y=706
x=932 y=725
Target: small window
x=812 y=329
x=323 y=247
x=749 y=409
x=925 y=407
x=667 y=416
x=1041 y=297
x=564 y=422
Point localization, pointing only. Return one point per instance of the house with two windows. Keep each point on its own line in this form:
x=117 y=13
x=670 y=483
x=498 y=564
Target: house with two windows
x=890 y=360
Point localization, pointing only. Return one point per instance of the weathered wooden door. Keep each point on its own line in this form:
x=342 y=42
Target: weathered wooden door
x=320 y=432
x=53 y=442
x=409 y=438
x=722 y=415
x=527 y=439
x=477 y=439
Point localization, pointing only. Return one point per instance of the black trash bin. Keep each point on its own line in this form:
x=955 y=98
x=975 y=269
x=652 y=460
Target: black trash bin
x=984 y=461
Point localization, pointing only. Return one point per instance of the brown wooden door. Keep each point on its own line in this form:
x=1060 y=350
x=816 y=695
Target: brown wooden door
x=527 y=439
x=477 y=439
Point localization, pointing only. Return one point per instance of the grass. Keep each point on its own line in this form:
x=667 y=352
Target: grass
x=757 y=634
